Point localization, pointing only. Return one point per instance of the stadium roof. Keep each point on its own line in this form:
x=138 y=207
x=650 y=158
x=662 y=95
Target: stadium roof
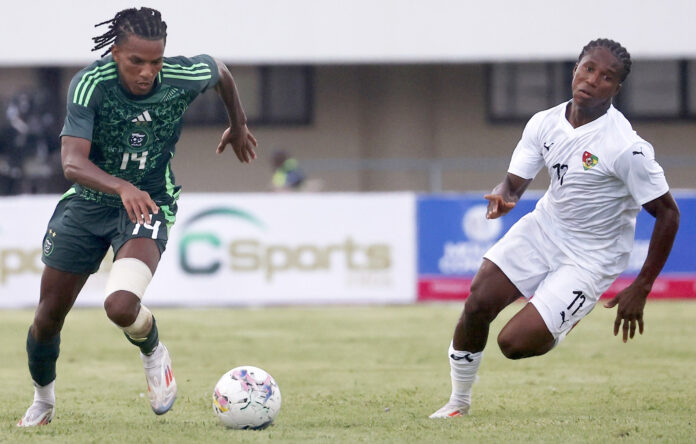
x=43 y=32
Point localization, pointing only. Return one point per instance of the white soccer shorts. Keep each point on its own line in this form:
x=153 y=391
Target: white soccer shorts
x=561 y=290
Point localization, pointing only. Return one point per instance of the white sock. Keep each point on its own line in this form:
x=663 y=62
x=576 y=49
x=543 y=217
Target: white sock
x=463 y=368
x=45 y=394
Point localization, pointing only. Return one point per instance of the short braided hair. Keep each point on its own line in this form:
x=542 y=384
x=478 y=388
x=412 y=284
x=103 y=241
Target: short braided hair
x=615 y=48
x=144 y=22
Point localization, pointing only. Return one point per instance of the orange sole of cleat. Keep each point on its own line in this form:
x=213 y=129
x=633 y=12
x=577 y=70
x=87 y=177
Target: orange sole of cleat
x=44 y=421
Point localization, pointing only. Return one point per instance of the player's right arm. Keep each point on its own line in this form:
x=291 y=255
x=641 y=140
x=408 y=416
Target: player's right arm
x=76 y=142
x=526 y=162
x=505 y=195
x=79 y=169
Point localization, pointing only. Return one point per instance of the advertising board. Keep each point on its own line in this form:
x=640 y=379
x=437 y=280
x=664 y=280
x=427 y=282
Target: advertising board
x=453 y=236
x=245 y=249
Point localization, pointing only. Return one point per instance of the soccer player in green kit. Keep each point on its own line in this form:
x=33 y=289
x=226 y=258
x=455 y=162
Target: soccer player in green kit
x=123 y=119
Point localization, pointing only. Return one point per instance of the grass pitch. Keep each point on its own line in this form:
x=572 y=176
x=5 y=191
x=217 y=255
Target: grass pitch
x=362 y=374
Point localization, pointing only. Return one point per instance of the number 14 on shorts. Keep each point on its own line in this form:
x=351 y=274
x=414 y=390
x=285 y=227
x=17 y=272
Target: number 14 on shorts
x=154 y=228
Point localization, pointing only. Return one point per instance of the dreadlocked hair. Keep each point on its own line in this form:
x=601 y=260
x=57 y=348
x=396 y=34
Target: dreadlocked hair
x=615 y=48
x=144 y=22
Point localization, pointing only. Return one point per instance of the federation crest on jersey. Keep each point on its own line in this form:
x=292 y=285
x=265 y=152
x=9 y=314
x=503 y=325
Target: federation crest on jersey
x=589 y=160
x=49 y=243
x=138 y=139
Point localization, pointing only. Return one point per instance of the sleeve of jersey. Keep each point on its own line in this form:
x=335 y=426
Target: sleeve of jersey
x=641 y=173
x=196 y=73
x=79 y=118
x=527 y=159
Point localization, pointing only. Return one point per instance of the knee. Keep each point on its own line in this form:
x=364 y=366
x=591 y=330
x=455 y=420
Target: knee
x=125 y=287
x=122 y=307
x=514 y=345
x=511 y=346
x=50 y=313
x=46 y=324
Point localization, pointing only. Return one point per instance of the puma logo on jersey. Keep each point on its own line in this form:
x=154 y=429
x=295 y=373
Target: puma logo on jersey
x=639 y=152
x=144 y=117
x=548 y=146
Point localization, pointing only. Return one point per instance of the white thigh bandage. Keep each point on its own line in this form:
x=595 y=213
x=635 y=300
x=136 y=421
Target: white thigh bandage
x=142 y=325
x=128 y=274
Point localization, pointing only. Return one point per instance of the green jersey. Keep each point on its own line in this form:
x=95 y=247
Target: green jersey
x=134 y=137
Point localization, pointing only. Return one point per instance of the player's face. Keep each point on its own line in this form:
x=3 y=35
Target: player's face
x=139 y=61
x=596 y=78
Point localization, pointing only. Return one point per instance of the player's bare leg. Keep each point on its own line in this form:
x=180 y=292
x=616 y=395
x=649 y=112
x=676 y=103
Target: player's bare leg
x=59 y=290
x=491 y=292
x=525 y=335
x=134 y=265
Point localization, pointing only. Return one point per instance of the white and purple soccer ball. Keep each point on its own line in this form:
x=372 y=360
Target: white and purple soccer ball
x=246 y=397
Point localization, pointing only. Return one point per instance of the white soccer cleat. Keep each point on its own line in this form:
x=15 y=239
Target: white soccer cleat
x=451 y=411
x=39 y=413
x=161 y=385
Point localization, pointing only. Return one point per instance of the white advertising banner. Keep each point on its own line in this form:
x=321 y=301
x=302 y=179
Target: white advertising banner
x=245 y=249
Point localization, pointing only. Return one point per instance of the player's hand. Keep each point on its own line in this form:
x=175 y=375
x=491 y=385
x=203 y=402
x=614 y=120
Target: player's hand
x=242 y=141
x=497 y=205
x=631 y=302
x=138 y=204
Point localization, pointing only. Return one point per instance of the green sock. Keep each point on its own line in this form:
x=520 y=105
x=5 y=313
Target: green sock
x=42 y=358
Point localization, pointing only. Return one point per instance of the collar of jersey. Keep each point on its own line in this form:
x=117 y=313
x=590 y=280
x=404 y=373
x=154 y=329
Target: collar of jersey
x=155 y=87
x=590 y=126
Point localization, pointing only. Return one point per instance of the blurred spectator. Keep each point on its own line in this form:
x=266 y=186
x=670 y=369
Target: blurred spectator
x=30 y=149
x=287 y=175
x=10 y=171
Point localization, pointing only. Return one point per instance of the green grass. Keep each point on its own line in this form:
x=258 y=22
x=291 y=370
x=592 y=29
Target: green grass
x=362 y=374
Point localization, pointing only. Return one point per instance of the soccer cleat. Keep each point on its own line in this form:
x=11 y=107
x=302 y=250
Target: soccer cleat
x=39 y=413
x=161 y=385
x=451 y=411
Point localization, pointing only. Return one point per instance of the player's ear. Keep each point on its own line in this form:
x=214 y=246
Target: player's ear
x=575 y=68
x=115 y=52
x=618 y=88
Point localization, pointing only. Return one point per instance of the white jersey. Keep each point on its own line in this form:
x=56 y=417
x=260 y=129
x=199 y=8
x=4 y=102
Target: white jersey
x=601 y=174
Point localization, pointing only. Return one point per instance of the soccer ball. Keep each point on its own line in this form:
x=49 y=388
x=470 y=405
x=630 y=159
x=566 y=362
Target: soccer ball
x=246 y=397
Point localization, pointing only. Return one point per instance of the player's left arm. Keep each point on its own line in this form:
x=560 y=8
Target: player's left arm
x=631 y=300
x=237 y=134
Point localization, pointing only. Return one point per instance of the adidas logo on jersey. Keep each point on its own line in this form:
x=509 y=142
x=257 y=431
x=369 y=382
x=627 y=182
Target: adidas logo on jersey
x=144 y=117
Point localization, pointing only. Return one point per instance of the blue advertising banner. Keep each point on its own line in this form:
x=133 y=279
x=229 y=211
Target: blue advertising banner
x=453 y=235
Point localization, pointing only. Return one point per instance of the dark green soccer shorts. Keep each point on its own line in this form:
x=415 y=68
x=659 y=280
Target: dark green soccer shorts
x=80 y=232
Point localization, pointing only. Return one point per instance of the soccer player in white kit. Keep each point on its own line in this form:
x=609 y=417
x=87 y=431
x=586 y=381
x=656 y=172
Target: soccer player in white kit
x=563 y=255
